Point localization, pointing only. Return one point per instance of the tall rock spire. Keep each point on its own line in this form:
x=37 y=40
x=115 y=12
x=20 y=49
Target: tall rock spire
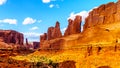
x=74 y=27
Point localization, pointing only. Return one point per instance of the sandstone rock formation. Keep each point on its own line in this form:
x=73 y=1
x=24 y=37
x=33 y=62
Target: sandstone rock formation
x=105 y=14
x=11 y=36
x=50 y=32
x=27 y=41
x=97 y=25
x=36 y=45
x=57 y=33
x=54 y=32
x=74 y=26
x=57 y=44
x=43 y=37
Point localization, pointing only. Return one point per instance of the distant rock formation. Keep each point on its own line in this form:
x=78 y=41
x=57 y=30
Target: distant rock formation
x=11 y=36
x=27 y=41
x=74 y=27
x=36 y=45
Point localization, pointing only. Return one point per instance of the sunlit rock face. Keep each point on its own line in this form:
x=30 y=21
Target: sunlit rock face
x=74 y=26
x=52 y=33
x=56 y=32
x=104 y=14
x=11 y=36
x=101 y=27
x=42 y=39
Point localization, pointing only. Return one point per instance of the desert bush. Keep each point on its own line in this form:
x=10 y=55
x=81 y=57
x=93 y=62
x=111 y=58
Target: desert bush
x=39 y=64
x=10 y=61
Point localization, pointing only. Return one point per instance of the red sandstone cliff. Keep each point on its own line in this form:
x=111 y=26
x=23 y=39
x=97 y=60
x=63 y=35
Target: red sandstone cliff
x=52 y=33
x=74 y=27
x=101 y=27
x=104 y=14
x=11 y=36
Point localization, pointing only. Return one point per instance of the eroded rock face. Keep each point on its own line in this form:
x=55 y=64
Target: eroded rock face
x=57 y=33
x=50 y=33
x=42 y=39
x=73 y=26
x=57 y=44
x=54 y=32
x=69 y=28
x=105 y=14
x=11 y=36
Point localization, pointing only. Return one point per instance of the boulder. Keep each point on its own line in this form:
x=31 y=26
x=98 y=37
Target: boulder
x=67 y=64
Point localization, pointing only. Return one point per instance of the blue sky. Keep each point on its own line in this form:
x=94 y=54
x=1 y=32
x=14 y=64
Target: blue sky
x=33 y=17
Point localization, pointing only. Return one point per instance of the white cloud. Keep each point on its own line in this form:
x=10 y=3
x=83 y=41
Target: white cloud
x=81 y=28
x=2 y=2
x=51 y=5
x=32 y=36
x=63 y=30
x=9 y=21
x=83 y=13
x=34 y=28
x=46 y=1
x=39 y=21
x=28 y=20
